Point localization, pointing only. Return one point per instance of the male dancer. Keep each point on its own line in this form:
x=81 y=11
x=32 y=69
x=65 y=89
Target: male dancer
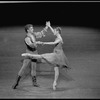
x=30 y=41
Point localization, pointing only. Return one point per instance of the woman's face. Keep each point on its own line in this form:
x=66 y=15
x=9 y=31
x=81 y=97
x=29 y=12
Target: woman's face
x=55 y=31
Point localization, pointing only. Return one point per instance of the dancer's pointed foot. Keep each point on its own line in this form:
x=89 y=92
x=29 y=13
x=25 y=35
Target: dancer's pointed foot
x=17 y=82
x=54 y=86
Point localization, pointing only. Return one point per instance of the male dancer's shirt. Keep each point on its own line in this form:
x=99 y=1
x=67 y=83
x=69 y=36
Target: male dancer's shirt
x=30 y=48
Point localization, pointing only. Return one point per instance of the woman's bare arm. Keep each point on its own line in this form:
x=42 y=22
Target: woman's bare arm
x=28 y=42
x=52 y=43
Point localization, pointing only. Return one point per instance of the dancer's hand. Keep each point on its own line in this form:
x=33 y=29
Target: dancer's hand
x=38 y=42
x=42 y=43
x=45 y=29
x=48 y=23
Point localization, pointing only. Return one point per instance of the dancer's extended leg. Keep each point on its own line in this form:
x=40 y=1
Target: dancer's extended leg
x=34 y=56
x=37 y=57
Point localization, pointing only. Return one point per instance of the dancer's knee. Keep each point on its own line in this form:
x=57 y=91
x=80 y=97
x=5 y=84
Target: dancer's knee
x=33 y=73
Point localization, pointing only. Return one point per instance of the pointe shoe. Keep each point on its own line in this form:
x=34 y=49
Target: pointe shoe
x=54 y=86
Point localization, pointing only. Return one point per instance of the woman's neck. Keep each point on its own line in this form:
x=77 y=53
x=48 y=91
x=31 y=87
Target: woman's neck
x=59 y=36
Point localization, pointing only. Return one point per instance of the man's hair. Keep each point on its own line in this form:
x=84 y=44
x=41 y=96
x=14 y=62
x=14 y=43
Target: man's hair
x=58 y=29
x=27 y=27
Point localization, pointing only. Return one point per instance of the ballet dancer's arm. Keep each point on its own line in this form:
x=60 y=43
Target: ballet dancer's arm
x=48 y=24
x=41 y=33
x=34 y=43
x=39 y=42
x=28 y=42
x=44 y=30
x=52 y=43
x=57 y=40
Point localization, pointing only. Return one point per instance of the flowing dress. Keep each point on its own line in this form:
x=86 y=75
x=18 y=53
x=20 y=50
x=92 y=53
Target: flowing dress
x=58 y=57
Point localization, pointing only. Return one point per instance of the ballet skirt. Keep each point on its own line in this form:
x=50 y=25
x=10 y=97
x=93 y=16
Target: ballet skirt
x=58 y=56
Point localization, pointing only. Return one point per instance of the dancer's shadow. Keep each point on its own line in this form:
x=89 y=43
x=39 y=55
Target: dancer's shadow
x=24 y=88
x=67 y=78
x=47 y=75
x=58 y=89
x=64 y=75
x=61 y=89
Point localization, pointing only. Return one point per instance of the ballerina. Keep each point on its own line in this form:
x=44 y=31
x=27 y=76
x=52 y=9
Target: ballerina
x=57 y=59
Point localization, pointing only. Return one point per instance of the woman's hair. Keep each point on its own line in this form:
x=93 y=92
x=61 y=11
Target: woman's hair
x=27 y=27
x=58 y=29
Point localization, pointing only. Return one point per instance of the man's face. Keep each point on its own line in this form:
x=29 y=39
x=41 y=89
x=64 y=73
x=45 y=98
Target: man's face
x=31 y=29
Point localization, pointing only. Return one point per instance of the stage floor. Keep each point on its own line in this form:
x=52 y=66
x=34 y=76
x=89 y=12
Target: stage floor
x=83 y=80
x=82 y=49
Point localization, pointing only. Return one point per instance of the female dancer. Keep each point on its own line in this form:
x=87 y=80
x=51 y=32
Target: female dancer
x=57 y=59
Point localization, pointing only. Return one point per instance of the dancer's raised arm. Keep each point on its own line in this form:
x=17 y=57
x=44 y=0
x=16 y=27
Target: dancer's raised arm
x=41 y=33
x=48 y=24
x=56 y=32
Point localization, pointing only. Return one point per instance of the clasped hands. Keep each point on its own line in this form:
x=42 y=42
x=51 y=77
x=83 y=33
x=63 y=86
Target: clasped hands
x=39 y=42
x=47 y=25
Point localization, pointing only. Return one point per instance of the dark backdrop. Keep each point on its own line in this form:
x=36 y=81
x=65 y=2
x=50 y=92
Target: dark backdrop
x=59 y=13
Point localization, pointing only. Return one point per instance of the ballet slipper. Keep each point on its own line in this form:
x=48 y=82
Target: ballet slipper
x=54 y=86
